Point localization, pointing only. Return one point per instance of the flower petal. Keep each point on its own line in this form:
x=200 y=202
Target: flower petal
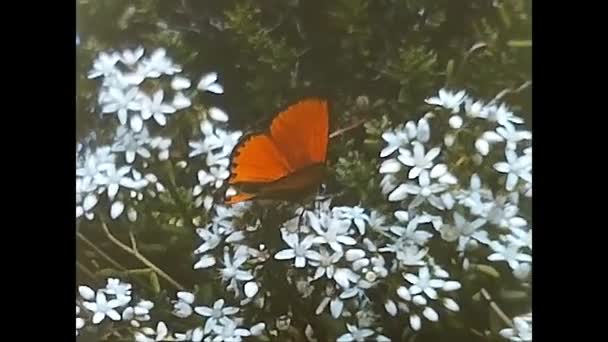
x=430 y=314
x=336 y=306
x=251 y=289
x=285 y=254
x=116 y=209
x=415 y=322
x=217 y=114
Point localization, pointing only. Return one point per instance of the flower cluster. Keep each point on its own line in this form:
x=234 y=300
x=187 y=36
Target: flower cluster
x=123 y=76
x=216 y=147
x=358 y=263
x=114 y=302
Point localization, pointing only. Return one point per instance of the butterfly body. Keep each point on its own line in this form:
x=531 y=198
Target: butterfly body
x=288 y=162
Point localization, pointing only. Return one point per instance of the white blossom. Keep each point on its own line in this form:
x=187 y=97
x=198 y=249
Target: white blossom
x=102 y=308
x=215 y=313
x=448 y=100
x=299 y=250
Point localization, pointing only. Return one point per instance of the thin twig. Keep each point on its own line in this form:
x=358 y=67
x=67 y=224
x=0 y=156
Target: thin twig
x=510 y=91
x=496 y=308
x=85 y=270
x=346 y=129
x=133 y=242
x=141 y=258
x=100 y=252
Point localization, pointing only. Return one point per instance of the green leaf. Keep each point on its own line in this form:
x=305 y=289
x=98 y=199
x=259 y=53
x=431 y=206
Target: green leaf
x=154 y=282
x=488 y=270
x=513 y=295
x=449 y=70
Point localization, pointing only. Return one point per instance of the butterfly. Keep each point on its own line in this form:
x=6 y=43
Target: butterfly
x=287 y=162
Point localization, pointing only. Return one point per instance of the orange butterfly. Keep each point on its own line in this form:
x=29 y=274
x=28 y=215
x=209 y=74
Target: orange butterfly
x=288 y=162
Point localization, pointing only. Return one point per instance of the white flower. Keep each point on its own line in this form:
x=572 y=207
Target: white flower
x=448 y=100
x=464 y=231
x=325 y=265
x=420 y=131
x=521 y=331
x=102 y=308
x=512 y=136
x=336 y=232
x=377 y=221
x=139 y=312
x=114 y=179
x=228 y=331
x=424 y=192
x=131 y=143
x=231 y=272
x=355 y=334
x=182 y=306
x=158 y=63
x=472 y=198
x=395 y=140
x=300 y=251
x=515 y=168
x=162 y=145
x=227 y=140
x=356 y=214
x=130 y=57
x=120 y=102
x=418 y=161
x=509 y=253
x=104 y=65
x=502 y=115
x=161 y=333
x=215 y=313
x=423 y=283
x=475 y=109
x=208 y=83
x=156 y=108
x=503 y=214
x=121 y=290
x=345 y=276
x=408 y=254
x=419 y=237
x=215 y=176
x=521 y=237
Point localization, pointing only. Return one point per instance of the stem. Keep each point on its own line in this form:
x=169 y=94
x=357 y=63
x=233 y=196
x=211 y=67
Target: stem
x=140 y=257
x=100 y=252
x=496 y=308
x=133 y=242
x=346 y=129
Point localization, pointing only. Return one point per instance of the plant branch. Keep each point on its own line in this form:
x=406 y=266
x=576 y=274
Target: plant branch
x=346 y=129
x=133 y=242
x=140 y=257
x=496 y=308
x=100 y=252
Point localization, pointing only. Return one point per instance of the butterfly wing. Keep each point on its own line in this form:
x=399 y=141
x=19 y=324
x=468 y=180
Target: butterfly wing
x=289 y=159
x=258 y=160
x=301 y=133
